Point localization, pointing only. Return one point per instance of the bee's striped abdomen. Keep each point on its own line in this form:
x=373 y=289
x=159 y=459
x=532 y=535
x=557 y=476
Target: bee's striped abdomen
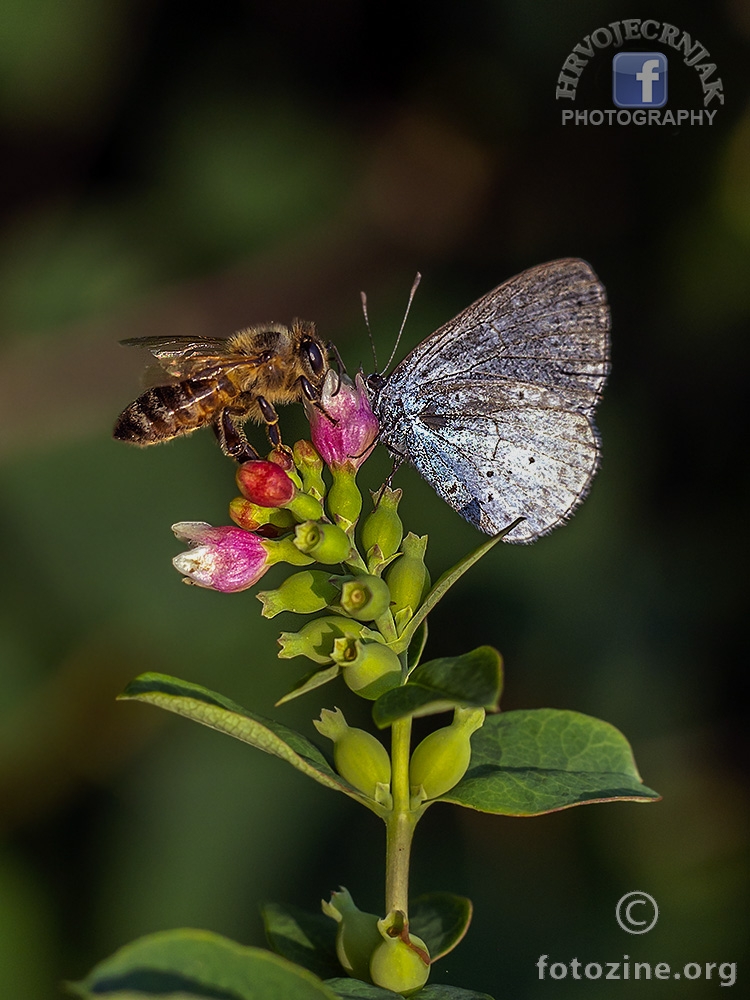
x=167 y=411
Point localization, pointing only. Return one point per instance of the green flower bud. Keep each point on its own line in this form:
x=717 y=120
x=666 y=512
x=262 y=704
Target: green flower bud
x=360 y=758
x=326 y=543
x=357 y=935
x=442 y=758
x=365 y=597
x=408 y=578
x=383 y=526
x=344 y=501
x=400 y=963
x=305 y=507
x=284 y=550
x=251 y=515
x=315 y=640
x=303 y=592
x=370 y=668
x=310 y=466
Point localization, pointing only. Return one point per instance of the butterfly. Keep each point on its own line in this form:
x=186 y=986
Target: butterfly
x=495 y=409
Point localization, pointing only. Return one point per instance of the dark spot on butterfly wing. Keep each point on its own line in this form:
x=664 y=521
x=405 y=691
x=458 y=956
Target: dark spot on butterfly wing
x=431 y=418
x=472 y=512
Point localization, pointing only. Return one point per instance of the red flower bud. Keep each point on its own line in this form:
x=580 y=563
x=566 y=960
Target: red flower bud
x=265 y=483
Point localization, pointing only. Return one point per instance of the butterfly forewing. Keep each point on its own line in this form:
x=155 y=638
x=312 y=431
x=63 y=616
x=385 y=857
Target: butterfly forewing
x=494 y=409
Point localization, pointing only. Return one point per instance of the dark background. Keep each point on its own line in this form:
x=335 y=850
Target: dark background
x=169 y=169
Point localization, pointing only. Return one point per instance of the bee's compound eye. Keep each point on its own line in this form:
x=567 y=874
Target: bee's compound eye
x=314 y=356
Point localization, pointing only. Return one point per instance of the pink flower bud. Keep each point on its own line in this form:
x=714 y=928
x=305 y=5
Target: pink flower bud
x=265 y=483
x=345 y=432
x=226 y=559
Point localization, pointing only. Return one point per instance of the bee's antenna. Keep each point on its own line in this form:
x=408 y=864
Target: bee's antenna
x=412 y=293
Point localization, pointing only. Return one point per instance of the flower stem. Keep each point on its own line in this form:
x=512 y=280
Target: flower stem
x=400 y=822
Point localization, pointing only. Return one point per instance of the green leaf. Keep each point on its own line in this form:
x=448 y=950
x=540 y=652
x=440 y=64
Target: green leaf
x=471 y=680
x=438 y=991
x=527 y=763
x=210 y=709
x=198 y=965
x=441 y=919
x=443 y=585
x=309 y=939
x=315 y=679
x=354 y=989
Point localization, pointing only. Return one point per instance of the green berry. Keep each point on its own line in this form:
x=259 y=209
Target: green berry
x=357 y=934
x=370 y=668
x=365 y=597
x=442 y=758
x=407 y=578
x=305 y=592
x=383 y=526
x=360 y=758
x=326 y=543
x=315 y=640
x=305 y=507
x=401 y=967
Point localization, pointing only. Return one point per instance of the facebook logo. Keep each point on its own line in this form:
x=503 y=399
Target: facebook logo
x=639 y=79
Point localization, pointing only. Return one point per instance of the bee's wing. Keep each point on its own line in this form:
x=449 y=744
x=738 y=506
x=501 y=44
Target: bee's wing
x=184 y=357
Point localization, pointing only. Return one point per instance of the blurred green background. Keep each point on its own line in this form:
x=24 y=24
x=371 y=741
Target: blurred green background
x=177 y=169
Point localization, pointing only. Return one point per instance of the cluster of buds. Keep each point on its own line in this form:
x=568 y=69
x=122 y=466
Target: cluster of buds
x=377 y=951
x=369 y=580
x=279 y=516
x=287 y=512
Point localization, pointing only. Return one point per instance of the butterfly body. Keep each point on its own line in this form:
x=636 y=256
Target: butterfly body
x=495 y=409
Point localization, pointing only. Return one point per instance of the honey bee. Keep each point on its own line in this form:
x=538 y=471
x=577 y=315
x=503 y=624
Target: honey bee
x=223 y=382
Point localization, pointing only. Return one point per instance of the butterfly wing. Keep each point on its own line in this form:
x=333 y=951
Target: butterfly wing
x=495 y=408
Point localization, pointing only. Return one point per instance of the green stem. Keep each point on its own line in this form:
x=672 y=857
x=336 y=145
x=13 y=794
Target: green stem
x=400 y=822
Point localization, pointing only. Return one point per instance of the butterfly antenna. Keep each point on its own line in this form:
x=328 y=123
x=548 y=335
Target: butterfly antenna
x=412 y=293
x=363 y=296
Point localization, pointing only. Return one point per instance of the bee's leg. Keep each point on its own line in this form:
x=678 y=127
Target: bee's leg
x=335 y=351
x=271 y=418
x=314 y=396
x=309 y=389
x=232 y=439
